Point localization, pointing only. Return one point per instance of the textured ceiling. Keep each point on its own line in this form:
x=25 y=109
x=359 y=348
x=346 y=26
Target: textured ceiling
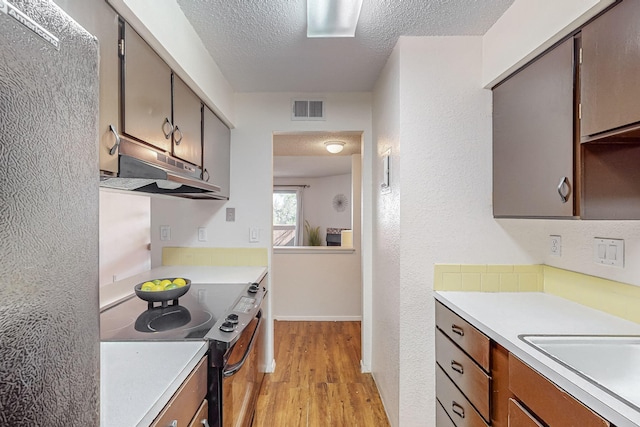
x=261 y=45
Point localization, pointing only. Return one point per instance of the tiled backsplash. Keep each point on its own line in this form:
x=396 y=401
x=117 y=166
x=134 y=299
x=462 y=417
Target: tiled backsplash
x=488 y=278
x=228 y=257
x=619 y=299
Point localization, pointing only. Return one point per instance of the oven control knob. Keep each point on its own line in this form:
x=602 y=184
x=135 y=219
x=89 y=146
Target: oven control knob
x=232 y=318
x=227 y=327
x=254 y=288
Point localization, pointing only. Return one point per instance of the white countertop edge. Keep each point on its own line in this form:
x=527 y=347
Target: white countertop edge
x=155 y=410
x=612 y=409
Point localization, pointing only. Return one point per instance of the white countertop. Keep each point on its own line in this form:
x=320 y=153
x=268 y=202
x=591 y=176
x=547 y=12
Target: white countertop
x=137 y=379
x=503 y=316
x=115 y=292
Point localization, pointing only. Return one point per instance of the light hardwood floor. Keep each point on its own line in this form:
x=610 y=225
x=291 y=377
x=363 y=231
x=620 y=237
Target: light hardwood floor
x=317 y=381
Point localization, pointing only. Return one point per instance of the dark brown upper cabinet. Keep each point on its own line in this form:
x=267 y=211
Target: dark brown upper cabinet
x=146 y=98
x=610 y=93
x=187 y=144
x=533 y=138
x=159 y=109
x=216 y=142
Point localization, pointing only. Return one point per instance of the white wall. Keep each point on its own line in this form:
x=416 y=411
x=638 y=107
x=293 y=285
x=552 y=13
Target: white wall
x=124 y=235
x=441 y=137
x=528 y=28
x=318 y=201
x=258 y=115
x=385 y=293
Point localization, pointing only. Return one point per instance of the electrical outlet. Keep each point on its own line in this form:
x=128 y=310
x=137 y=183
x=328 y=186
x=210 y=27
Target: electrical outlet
x=202 y=234
x=555 y=245
x=608 y=251
x=254 y=235
x=165 y=233
x=231 y=214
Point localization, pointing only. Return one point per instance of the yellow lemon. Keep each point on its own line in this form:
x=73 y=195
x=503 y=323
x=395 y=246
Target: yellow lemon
x=157 y=288
x=147 y=286
x=164 y=283
x=179 y=281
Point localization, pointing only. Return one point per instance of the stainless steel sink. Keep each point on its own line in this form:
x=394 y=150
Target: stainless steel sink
x=612 y=363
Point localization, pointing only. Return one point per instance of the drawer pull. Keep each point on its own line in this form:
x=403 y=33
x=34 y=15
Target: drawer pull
x=457 y=409
x=205 y=423
x=457 y=330
x=457 y=367
x=174 y=423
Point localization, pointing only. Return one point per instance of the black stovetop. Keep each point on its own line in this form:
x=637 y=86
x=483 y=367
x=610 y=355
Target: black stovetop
x=195 y=314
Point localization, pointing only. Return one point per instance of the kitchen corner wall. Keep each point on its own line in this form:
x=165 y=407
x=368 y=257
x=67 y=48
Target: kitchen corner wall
x=430 y=108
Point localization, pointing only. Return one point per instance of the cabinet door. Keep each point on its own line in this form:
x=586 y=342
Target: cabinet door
x=610 y=63
x=97 y=17
x=217 y=150
x=533 y=138
x=187 y=140
x=146 y=92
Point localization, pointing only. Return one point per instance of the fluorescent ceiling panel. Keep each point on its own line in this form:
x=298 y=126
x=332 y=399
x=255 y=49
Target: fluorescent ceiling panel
x=332 y=18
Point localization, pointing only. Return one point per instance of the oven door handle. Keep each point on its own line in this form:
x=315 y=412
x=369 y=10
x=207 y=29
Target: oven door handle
x=237 y=366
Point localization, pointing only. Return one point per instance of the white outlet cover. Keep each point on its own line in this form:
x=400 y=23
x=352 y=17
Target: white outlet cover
x=555 y=245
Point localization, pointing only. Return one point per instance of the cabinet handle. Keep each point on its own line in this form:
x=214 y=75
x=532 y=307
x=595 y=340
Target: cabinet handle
x=113 y=149
x=176 y=132
x=207 y=172
x=457 y=330
x=205 y=423
x=174 y=423
x=457 y=409
x=564 y=183
x=457 y=367
x=166 y=122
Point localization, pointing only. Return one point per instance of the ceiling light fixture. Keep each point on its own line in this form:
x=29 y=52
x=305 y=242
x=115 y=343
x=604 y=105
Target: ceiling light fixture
x=334 y=147
x=332 y=18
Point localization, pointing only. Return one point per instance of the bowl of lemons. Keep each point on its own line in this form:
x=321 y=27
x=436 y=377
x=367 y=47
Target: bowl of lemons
x=159 y=290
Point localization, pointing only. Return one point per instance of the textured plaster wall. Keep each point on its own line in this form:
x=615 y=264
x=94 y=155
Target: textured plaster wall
x=431 y=104
x=385 y=296
x=258 y=115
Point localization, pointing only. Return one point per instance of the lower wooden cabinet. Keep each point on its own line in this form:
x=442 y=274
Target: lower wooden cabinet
x=186 y=406
x=520 y=417
x=546 y=401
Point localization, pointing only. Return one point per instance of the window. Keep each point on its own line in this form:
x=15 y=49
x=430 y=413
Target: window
x=287 y=217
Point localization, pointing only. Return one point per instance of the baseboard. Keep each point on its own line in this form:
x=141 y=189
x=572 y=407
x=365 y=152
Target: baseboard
x=319 y=318
x=271 y=369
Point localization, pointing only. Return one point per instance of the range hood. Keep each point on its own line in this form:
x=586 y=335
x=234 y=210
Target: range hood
x=147 y=170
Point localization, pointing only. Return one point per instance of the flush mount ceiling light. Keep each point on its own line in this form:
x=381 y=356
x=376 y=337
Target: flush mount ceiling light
x=334 y=147
x=332 y=18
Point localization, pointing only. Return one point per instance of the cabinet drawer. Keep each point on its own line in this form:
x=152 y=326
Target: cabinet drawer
x=442 y=419
x=202 y=416
x=520 y=417
x=455 y=404
x=187 y=400
x=472 y=341
x=550 y=403
x=469 y=377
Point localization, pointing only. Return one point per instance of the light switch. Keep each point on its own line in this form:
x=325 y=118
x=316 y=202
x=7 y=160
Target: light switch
x=608 y=251
x=165 y=233
x=254 y=235
x=202 y=234
x=231 y=214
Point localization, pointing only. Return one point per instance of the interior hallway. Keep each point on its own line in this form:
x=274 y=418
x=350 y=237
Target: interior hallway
x=317 y=381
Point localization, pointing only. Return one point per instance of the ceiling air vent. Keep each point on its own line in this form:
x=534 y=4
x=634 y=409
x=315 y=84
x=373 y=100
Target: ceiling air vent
x=307 y=109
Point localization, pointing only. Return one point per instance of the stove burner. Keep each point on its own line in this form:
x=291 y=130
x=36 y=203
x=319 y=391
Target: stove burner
x=162 y=318
x=232 y=318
